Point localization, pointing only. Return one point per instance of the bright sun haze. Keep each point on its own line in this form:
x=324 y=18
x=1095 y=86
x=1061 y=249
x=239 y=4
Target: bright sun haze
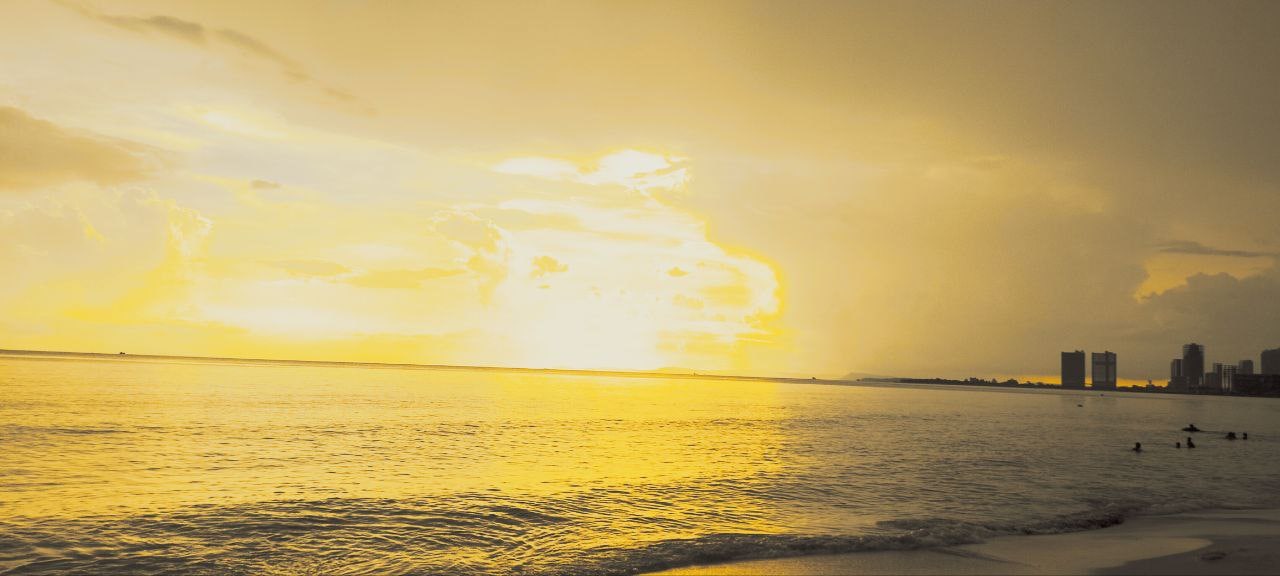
x=748 y=187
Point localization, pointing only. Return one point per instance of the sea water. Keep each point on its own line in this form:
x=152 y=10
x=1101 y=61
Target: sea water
x=197 y=467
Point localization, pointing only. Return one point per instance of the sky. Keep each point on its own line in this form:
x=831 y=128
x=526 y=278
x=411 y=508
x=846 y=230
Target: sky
x=802 y=188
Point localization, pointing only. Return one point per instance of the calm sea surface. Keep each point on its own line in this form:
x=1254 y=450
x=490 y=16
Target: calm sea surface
x=223 y=468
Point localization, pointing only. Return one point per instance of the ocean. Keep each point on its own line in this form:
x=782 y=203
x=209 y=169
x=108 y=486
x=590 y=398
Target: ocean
x=211 y=467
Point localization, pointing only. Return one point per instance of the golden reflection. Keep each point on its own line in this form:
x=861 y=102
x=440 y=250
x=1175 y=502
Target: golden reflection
x=173 y=434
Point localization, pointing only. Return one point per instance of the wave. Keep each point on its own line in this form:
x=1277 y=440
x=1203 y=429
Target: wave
x=900 y=534
x=463 y=534
x=29 y=431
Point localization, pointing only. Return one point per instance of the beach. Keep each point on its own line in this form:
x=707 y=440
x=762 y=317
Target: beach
x=1204 y=542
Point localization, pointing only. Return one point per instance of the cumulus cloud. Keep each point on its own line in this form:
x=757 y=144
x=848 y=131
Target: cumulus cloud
x=546 y=265
x=36 y=153
x=470 y=231
x=485 y=250
x=1235 y=317
x=99 y=256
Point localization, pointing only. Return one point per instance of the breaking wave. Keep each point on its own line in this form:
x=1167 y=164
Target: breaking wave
x=430 y=536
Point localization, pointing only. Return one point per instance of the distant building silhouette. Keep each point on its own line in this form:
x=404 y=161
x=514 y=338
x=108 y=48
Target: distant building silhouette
x=1073 y=369
x=1177 y=381
x=1211 y=384
x=1270 y=361
x=1244 y=367
x=1256 y=385
x=1193 y=366
x=1219 y=380
x=1104 y=370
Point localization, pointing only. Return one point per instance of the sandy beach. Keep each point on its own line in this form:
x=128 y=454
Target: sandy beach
x=1205 y=542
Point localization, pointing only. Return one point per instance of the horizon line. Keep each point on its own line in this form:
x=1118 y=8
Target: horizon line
x=655 y=373
x=416 y=366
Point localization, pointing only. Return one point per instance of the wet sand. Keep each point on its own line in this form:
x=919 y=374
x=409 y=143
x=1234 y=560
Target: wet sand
x=1206 y=542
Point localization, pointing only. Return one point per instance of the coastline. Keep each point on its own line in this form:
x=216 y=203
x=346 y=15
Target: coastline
x=1203 y=542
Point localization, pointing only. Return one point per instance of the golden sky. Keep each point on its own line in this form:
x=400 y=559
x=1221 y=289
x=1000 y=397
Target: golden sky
x=934 y=188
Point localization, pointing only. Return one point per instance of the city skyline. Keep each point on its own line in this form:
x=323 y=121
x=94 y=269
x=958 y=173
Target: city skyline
x=1186 y=373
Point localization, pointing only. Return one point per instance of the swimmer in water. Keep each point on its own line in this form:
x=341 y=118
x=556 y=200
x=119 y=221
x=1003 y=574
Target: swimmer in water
x=1137 y=446
x=1177 y=445
x=1190 y=444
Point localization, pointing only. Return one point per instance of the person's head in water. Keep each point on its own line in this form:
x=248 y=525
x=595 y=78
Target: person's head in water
x=1137 y=446
x=1190 y=444
x=1177 y=445
x=1245 y=436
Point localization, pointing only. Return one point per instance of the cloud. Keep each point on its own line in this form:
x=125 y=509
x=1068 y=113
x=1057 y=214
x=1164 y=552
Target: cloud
x=176 y=27
x=200 y=35
x=402 y=279
x=1235 y=317
x=264 y=185
x=101 y=256
x=36 y=153
x=484 y=246
x=1196 y=248
x=550 y=168
x=517 y=219
x=310 y=267
x=676 y=272
x=629 y=168
x=688 y=302
x=546 y=265
x=470 y=231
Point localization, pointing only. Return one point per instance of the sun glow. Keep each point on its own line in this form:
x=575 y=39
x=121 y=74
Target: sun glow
x=558 y=263
x=606 y=298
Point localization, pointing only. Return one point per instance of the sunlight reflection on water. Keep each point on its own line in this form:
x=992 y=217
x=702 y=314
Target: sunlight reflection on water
x=123 y=466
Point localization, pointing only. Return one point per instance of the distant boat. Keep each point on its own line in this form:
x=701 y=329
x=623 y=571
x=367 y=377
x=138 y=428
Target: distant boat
x=122 y=353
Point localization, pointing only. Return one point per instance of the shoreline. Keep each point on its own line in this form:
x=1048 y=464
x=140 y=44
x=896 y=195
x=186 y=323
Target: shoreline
x=1203 y=542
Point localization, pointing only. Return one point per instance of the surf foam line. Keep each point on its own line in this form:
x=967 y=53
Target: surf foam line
x=901 y=534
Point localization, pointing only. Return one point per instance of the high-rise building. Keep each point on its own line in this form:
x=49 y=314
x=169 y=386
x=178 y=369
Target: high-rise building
x=1177 y=380
x=1244 y=367
x=1073 y=369
x=1104 y=370
x=1226 y=376
x=1193 y=365
x=1270 y=361
x=1219 y=381
x=1212 y=383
